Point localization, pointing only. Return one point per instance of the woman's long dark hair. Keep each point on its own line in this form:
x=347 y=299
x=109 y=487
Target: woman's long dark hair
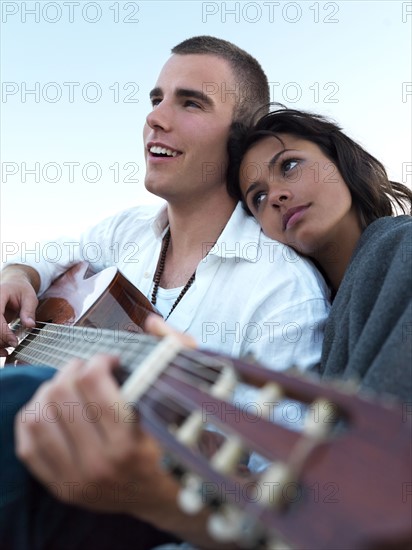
x=372 y=192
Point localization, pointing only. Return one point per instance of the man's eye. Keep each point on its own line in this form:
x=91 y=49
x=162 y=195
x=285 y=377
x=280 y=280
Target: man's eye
x=258 y=199
x=190 y=103
x=155 y=101
x=288 y=165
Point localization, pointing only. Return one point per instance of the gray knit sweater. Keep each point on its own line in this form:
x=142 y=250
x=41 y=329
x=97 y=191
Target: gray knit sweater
x=369 y=332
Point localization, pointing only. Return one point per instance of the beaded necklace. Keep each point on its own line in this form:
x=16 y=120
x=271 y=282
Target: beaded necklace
x=159 y=272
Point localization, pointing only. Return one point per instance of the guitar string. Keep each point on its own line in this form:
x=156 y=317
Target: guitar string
x=160 y=384
x=46 y=351
x=189 y=375
x=72 y=339
x=184 y=363
x=35 y=348
x=74 y=333
x=168 y=403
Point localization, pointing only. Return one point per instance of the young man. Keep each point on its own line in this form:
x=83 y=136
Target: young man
x=206 y=266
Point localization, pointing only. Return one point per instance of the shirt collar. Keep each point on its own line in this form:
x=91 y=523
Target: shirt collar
x=160 y=222
x=239 y=239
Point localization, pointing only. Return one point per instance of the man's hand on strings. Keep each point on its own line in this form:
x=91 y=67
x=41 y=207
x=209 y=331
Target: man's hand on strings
x=17 y=299
x=155 y=326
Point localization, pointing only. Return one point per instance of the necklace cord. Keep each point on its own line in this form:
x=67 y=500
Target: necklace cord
x=159 y=272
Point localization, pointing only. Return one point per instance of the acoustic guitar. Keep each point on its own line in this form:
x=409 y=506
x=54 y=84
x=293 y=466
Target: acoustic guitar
x=343 y=481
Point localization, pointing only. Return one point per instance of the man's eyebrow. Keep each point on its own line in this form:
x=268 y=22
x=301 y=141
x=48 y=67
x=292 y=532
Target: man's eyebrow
x=184 y=92
x=156 y=92
x=195 y=94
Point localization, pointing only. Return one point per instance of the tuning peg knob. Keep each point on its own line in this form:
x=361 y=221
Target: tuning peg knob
x=190 y=497
x=227 y=524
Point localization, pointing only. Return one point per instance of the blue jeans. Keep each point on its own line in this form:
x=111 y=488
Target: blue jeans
x=30 y=517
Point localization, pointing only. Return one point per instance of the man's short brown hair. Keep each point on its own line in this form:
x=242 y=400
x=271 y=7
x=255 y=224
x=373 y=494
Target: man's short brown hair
x=252 y=88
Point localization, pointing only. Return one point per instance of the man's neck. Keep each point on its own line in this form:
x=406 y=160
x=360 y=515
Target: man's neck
x=193 y=232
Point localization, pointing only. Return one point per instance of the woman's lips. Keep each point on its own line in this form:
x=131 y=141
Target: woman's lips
x=293 y=215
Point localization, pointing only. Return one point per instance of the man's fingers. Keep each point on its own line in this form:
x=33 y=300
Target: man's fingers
x=7 y=338
x=29 y=303
x=157 y=327
x=16 y=300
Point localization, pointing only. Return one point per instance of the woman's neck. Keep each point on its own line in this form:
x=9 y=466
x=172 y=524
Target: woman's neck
x=335 y=254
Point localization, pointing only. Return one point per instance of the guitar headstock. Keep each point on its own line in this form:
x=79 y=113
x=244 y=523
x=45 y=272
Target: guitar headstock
x=342 y=480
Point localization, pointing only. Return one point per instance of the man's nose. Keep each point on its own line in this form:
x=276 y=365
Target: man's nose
x=160 y=117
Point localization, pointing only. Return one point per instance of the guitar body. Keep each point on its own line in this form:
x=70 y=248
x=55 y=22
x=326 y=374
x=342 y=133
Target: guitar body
x=81 y=297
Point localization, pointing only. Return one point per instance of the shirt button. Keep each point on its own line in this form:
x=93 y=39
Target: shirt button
x=146 y=274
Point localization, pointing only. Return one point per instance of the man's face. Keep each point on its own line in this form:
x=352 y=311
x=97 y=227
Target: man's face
x=186 y=133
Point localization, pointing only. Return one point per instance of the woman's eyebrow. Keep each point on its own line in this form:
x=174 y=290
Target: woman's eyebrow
x=251 y=188
x=274 y=159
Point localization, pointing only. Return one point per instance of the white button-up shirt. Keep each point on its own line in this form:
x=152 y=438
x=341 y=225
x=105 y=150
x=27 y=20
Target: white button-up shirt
x=250 y=295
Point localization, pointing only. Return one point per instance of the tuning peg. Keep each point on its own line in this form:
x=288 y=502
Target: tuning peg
x=227 y=458
x=190 y=497
x=320 y=418
x=272 y=483
x=231 y=524
x=277 y=544
x=268 y=397
x=188 y=433
x=224 y=385
x=226 y=525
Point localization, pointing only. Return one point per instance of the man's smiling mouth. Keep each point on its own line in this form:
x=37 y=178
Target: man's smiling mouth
x=162 y=151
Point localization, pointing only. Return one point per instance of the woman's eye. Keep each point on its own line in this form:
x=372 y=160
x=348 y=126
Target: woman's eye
x=258 y=199
x=288 y=165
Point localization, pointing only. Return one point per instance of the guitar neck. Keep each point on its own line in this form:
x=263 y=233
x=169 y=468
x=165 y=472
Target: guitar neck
x=362 y=469
x=358 y=472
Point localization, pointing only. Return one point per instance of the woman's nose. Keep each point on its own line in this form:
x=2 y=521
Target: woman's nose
x=279 y=196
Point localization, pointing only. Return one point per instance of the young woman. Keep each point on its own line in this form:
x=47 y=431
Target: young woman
x=313 y=188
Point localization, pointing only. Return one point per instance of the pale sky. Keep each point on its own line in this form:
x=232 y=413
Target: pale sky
x=76 y=77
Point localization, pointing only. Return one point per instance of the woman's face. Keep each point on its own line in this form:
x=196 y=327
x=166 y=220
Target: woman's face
x=297 y=194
